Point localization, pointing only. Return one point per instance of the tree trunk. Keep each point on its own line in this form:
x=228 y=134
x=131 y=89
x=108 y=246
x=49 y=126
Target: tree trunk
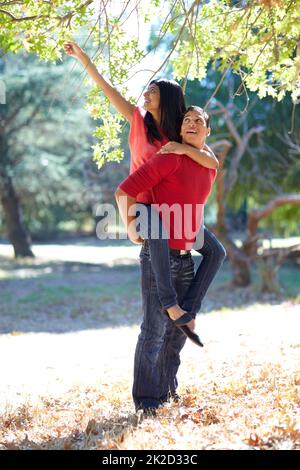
x=268 y=273
x=241 y=271
x=239 y=261
x=12 y=211
x=13 y=217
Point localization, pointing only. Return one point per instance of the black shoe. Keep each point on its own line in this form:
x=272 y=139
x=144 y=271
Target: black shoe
x=171 y=396
x=191 y=335
x=174 y=396
x=149 y=412
x=183 y=320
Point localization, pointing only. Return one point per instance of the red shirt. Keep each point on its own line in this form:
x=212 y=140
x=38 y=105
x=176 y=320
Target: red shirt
x=175 y=180
x=140 y=148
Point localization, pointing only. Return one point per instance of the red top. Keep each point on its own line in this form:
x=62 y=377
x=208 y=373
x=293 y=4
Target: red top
x=141 y=150
x=178 y=181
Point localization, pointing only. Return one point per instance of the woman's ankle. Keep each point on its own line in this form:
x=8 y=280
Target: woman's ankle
x=175 y=312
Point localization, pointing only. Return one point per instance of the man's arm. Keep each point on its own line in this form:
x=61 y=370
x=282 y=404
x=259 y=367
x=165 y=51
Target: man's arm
x=126 y=205
x=204 y=156
x=146 y=177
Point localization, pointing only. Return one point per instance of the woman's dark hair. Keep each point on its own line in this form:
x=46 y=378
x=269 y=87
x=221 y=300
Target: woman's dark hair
x=172 y=109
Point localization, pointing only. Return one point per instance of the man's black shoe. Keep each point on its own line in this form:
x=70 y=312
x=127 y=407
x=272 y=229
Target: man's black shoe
x=149 y=412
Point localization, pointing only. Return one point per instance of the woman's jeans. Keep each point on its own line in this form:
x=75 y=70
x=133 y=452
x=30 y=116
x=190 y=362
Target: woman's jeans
x=157 y=355
x=213 y=254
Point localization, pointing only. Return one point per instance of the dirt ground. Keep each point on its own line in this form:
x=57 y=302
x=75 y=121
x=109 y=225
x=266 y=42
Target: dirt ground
x=69 y=325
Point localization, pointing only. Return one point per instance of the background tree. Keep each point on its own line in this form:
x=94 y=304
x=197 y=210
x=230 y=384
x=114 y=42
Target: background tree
x=45 y=142
x=257 y=168
x=242 y=51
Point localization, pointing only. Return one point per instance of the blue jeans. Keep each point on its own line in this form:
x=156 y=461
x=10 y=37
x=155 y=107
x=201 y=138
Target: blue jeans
x=213 y=254
x=157 y=355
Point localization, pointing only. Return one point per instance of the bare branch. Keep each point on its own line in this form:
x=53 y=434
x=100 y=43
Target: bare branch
x=61 y=19
x=25 y=18
x=241 y=142
x=217 y=88
x=229 y=122
x=256 y=215
x=240 y=151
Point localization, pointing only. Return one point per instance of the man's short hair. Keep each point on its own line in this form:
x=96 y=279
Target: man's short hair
x=201 y=111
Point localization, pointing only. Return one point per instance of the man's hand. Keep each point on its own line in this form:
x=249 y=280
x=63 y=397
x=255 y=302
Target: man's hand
x=172 y=147
x=137 y=241
x=133 y=236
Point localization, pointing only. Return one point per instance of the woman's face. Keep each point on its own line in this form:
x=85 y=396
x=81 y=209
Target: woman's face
x=152 y=98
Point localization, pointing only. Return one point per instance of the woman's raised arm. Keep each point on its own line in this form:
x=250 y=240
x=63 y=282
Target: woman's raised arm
x=117 y=100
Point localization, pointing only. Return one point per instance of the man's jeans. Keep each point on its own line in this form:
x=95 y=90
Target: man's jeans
x=157 y=355
x=213 y=254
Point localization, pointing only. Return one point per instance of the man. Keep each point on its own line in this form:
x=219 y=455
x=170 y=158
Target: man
x=174 y=180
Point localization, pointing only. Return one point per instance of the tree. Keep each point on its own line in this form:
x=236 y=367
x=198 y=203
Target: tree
x=258 y=42
x=42 y=149
x=259 y=165
x=241 y=258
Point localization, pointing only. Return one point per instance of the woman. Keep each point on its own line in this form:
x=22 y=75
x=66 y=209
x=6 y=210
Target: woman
x=158 y=131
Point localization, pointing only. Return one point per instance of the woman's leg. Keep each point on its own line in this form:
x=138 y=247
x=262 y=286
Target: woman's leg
x=151 y=229
x=213 y=254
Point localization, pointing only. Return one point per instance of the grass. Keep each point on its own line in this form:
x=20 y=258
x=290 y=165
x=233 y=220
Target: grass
x=62 y=290
x=35 y=290
x=258 y=409
x=289 y=276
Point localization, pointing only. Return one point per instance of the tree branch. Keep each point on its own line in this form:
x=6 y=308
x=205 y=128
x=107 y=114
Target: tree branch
x=61 y=19
x=255 y=216
x=224 y=146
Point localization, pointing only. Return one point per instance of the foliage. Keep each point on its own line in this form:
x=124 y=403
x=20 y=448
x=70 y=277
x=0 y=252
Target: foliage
x=270 y=165
x=258 y=40
x=48 y=143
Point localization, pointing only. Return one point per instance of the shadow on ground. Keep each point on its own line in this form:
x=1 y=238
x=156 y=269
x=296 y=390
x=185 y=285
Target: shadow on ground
x=64 y=296
x=96 y=435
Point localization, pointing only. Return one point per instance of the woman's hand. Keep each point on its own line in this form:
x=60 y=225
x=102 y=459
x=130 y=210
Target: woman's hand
x=72 y=49
x=192 y=324
x=172 y=147
x=117 y=100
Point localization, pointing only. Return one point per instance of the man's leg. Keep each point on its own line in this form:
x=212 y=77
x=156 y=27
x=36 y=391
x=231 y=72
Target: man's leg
x=148 y=363
x=213 y=254
x=182 y=269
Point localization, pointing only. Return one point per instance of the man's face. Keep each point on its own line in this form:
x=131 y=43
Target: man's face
x=193 y=129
